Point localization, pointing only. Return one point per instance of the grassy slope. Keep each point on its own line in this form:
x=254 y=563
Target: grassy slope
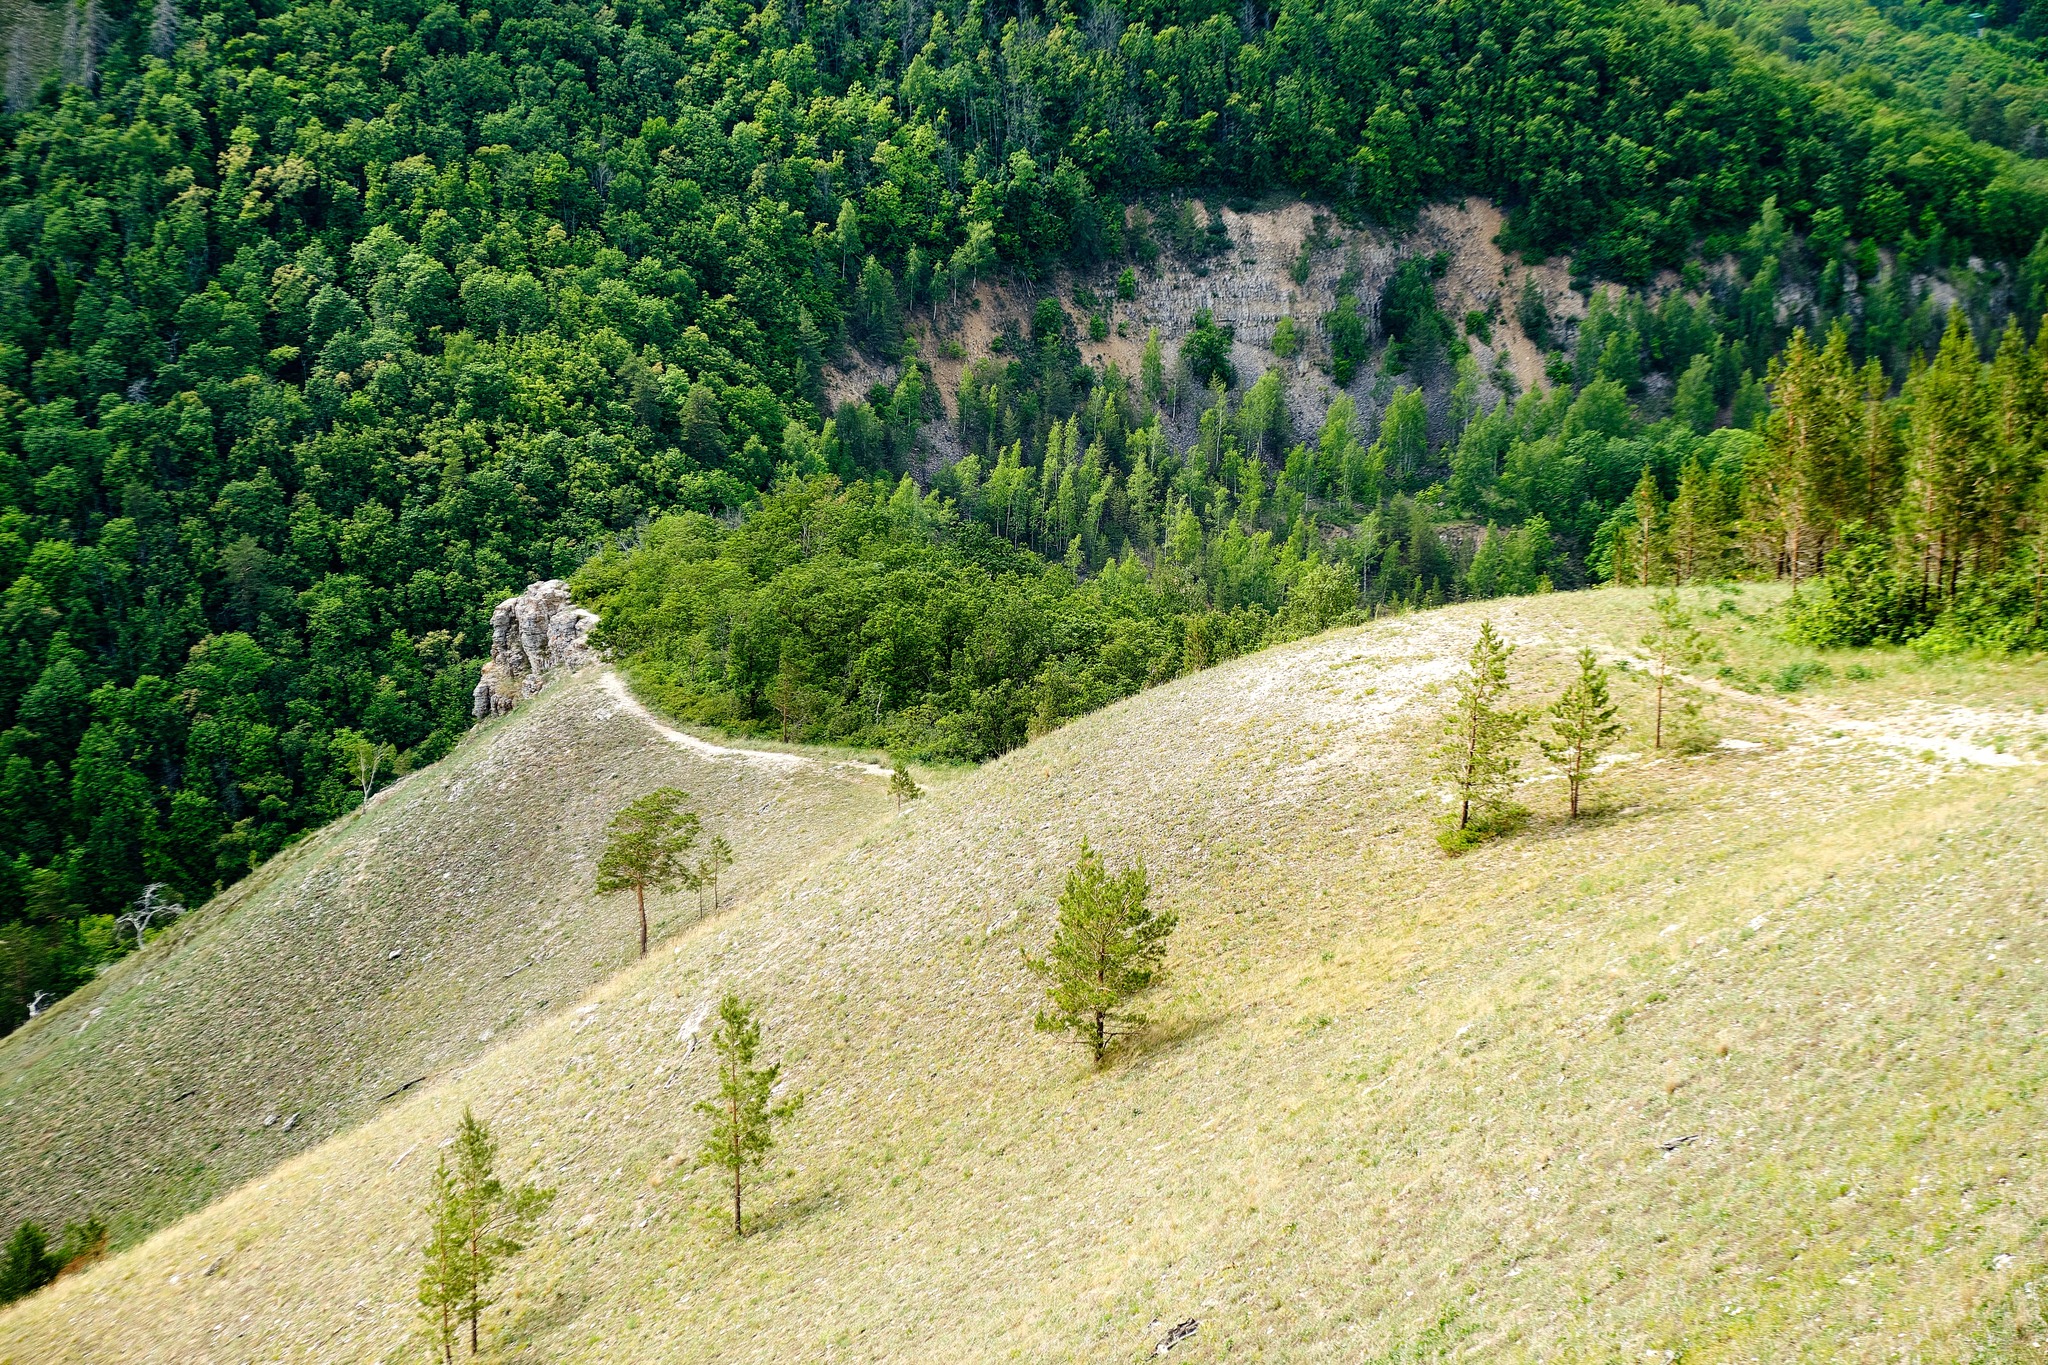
x=1394 y=1106
x=282 y=999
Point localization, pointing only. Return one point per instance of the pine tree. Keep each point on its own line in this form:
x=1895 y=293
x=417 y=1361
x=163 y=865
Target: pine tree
x=477 y=1223
x=1697 y=538
x=1674 y=643
x=902 y=785
x=1943 y=510
x=1477 y=758
x=742 y=1116
x=1106 y=950
x=495 y=1221
x=28 y=1264
x=442 y=1287
x=1645 y=543
x=648 y=840
x=1800 y=485
x=717 y=857
x=1582 y=726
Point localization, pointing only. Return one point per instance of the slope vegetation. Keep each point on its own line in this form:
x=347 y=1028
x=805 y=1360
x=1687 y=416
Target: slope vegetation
x=1744 y=1066
x=379 y=954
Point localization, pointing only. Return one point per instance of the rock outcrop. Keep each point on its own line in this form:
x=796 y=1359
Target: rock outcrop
x=533 y=635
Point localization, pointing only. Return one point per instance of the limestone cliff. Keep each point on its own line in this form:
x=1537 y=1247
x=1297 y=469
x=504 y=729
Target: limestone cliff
x=535 y=634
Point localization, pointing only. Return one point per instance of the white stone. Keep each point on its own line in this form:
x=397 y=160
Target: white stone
x=533 y=635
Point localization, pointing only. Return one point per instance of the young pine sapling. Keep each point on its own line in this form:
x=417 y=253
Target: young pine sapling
x=743 y=1115
x=1676 y=643
x=1477 y=758
x=1582 y=726
x=476 y=1224
x=1106 y=950
x=902 y=785
x=717 y=857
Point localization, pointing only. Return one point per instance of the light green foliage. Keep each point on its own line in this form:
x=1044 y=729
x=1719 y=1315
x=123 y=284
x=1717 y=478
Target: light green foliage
x=1694 y=403
x=1673 y=644
x=1263 y=419
x=1582 y=726
x=422 y=328
x=1478 y=759
x=644 y=852
x=743 y=1112
x=1404 y=432
x=1285 y=343
x=1107 y=950
x=444 y=1263
x=476 y=1223
x=1152 y=370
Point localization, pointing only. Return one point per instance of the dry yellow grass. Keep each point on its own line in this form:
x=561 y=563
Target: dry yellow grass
x=1744 y=1067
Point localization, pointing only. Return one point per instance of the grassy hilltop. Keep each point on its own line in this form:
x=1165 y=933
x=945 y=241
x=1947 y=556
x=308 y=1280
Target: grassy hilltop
x=381 y=954
x=1744 y=1066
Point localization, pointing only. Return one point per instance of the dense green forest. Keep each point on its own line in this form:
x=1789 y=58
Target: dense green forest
x=327 y=325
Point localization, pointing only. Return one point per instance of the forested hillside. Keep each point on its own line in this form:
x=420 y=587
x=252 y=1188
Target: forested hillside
x=325 y=326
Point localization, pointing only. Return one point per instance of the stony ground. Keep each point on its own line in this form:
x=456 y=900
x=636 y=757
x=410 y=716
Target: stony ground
x=1746 y=1065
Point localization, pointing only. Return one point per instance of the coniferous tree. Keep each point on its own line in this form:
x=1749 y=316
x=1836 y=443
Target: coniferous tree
x=717 y=857
x=902 y=785
x=477 y=1224
x=743 y=1115
x=1797 y=488
x=1696 y=538
x=1477 y=758
x=1105 y=951
x=1582 y=726
x=441 y=1287
x=645 y=851
x=1674 y=643
x=1943 y=512
x=1644 y=546
x=28 y=1264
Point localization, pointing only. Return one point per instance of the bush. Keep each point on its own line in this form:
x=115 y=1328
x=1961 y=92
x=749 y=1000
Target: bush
x=1794 y=677
x=1860 y=602
x=1206 y=350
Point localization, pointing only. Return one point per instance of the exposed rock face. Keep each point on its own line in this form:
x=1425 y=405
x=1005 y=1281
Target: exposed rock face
x=532 y=635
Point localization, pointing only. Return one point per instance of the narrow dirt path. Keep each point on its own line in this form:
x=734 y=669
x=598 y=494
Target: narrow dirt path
x=615 y=687
x=1890 y=732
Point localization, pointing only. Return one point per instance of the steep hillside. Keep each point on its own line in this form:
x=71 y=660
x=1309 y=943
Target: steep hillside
x=380 y=955
x=1744 y=1066
x=1249 y=288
